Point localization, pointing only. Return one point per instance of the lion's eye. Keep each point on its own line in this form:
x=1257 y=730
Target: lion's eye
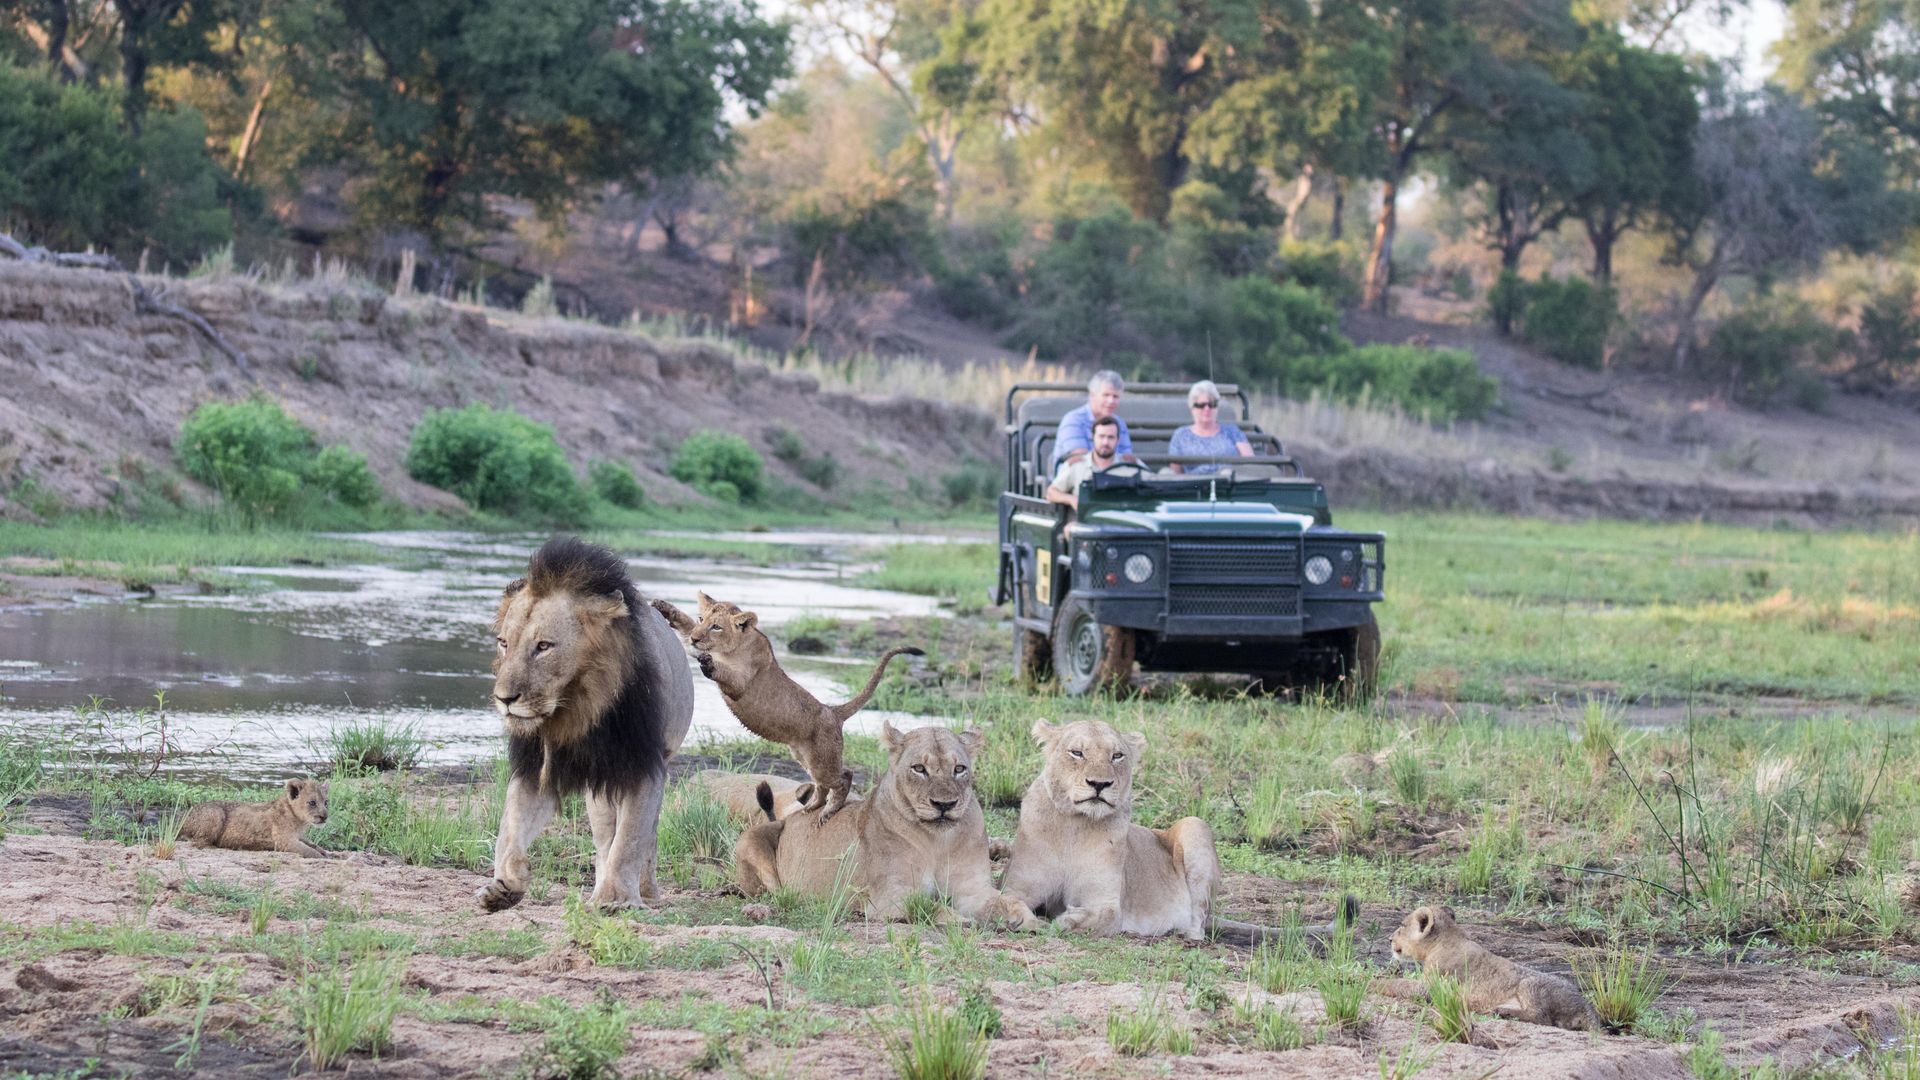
x=959 y=770
x=1118 y=756
x=542 y=646
x=500 y=641
x=1076 y=754
x=921 y=769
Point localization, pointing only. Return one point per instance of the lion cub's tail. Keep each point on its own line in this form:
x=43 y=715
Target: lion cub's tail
x=846 y=709
x=764 y=796
x=1250 y=934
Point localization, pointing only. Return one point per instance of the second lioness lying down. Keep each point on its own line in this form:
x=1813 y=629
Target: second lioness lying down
x=920 y=831
x=1079 y=859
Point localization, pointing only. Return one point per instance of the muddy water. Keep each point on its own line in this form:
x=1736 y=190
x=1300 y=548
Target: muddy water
x=255 y=680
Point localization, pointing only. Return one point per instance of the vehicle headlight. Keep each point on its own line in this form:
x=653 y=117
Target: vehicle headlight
x=1319 y=570
x=1138 y=568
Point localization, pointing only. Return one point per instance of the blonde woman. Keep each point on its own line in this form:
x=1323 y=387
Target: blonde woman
x=1206 y=436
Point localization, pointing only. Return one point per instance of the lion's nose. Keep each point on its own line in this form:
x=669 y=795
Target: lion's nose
x=944 y=807
x=506 y=699
x=1099 y=786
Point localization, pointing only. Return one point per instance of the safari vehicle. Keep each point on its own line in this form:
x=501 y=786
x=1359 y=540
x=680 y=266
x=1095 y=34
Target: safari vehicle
x=1240 y=570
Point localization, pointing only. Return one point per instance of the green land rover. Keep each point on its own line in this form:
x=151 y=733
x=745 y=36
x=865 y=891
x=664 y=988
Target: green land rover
x=1239 y=570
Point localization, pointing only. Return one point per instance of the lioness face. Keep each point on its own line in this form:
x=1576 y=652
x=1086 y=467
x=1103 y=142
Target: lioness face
x=1089 y=766
x=930 y=771
x=542 y=646
x=723 y=627
x=309 y=799
x=1419 y=932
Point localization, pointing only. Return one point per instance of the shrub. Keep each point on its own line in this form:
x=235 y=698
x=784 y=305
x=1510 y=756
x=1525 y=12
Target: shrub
x=974 y=482
x=250 y=451
x=1887 y=345
x=719 y=464
x=1326 y=266
x=349 y=1006
x=887 y=237
x=1758 y=349
x=1211 y=230
x=822 y=472
x=342 y=474
x=1569 y=320
x=1622 y=984
x=497 y=461
x=931 y=1042
x=614 y=482
x=584 y=1044
x=1441 y=384
x=1265 y=331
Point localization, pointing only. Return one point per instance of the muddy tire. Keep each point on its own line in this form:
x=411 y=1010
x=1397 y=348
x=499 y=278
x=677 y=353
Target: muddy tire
x=1032 y=655
x=1088 y=656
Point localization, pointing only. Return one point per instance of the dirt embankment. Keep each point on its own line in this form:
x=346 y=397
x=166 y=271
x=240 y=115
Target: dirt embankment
x=94 y=392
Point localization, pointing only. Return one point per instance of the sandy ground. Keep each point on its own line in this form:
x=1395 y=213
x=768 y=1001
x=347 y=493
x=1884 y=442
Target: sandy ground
x=69 y=1008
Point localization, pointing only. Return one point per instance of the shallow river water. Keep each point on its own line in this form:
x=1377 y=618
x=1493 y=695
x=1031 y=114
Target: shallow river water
x=256 y=679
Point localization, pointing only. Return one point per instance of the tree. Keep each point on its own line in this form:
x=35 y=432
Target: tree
x=1130 y=82
x=1858 y=62
x=441 y=103
x=1638 y=121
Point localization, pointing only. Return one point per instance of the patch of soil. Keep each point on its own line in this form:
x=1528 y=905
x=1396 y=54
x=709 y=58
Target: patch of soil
x=56 y=1007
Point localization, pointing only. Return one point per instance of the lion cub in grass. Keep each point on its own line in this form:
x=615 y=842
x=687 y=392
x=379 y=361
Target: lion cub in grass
x=1494 y=984
x=271 y=826
x=737 y=656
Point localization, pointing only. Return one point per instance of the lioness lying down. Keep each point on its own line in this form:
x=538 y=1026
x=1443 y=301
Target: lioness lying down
x=1079 y=859
x=1429 y=937
x=920 y=831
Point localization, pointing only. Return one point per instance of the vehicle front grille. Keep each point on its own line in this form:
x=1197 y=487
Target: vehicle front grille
x=1234 y=600
x=1218 y=562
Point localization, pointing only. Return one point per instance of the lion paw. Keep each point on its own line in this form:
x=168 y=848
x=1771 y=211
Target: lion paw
x=496 y=896
x=706 y=664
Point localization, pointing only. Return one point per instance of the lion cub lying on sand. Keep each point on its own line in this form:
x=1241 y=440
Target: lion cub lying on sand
x=921 y=831
x=1494 y=984
x=739 y=659
x=272 y=826
x=1078 y=856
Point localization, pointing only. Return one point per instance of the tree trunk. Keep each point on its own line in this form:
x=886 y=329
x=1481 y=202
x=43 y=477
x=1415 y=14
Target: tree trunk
x=1302 y=191
x=1380 y=262
x=1704 y=280
x=138 y=20
x=1603 y=232
x=251 y=136
x=1337 y=227
x=57 y=22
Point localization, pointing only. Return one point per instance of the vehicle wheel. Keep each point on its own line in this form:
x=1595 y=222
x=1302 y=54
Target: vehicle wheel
x=1087 y=655
x=1032 y=656
x=1359 y=672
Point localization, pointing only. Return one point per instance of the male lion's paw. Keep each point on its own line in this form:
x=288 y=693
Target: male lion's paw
x=495 y=896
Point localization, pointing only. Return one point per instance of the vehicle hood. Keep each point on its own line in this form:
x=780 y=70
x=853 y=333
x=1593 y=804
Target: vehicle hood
x=1213 y=518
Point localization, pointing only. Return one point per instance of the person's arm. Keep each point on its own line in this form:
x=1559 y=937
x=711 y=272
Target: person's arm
x=1064 y=490
x=1176 y=447
x=1073 y=439
x=1240 y=442
x=1065 y=498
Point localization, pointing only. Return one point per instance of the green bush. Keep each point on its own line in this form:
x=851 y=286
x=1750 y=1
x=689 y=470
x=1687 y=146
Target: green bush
x=887 y=237
x=822 y=472
x=251 y=452
x=1887 y=345
x=342 y=474
x=70 y=177
x=1568 y=320
x=1211 y=231
x=1325 y=265
x=721 y=465
x=1263 y=331
x=614 y=482
x=498 y=461
x=1441 y=384
x=975 y=482
x=1769 y=346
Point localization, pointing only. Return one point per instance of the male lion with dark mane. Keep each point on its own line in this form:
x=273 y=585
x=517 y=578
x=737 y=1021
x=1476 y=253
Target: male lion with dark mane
x=921 y=831
x=595 y=694
x=1079 y=859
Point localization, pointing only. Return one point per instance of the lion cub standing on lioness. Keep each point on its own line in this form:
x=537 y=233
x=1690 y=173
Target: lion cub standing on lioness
x=273 y=826
x=737 y=656
x=1494 y=984
x=1079 y=858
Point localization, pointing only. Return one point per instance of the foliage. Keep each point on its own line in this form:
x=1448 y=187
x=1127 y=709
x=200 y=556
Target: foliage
x=374 y=744
x=1568 y=319
x=1441 y=384
x=975 y=483
x=613 y=482
x=883 y=237
x=1451 y=1017
x=584 y=1043
x=932 y=1042
x=263 y=463
x=498 y=461
x=70 y=178
x=1766 y=347
x=348 y=1006
x=721 y=464
x=1886 y=347
x=438 y=105
x=1622 y=983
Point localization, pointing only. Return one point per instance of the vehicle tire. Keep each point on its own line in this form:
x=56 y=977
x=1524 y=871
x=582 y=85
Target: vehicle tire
x=1032 y=655
x=1088 y=656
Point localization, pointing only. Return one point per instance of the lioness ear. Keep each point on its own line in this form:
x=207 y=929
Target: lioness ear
x=889 y=737
x=972 y=741
x=746 y=621
x=1136 y=743
x=1044 y=733
x=293 y=789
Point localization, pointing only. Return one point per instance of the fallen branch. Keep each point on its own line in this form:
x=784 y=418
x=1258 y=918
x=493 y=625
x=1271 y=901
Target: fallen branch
x=145 y=300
